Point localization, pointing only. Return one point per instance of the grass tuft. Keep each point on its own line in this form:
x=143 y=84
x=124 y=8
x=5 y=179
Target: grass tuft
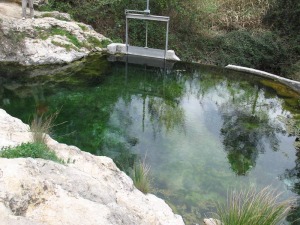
x=97 y=43
x=41 y=126
x=44 y=34
x=68 y=47
x=83 y=27
x=252 y=207
x=140 y=176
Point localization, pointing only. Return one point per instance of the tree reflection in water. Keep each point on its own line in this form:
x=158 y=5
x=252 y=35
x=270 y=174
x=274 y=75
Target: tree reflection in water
x=293 y=178
x=246 y=129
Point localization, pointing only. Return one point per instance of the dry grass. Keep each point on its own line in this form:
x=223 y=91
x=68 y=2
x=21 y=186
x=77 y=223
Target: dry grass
x=41 y=126
x=230 y=14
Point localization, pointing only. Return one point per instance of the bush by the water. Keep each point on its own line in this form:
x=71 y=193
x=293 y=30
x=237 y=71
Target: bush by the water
x=262 y=50
x=283 y=18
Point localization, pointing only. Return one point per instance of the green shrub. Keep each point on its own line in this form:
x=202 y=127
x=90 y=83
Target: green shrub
x=140 y=176
x=284 y=15
x=32 y=150
x=257 y=50
x=62 y=6
x=252 y=207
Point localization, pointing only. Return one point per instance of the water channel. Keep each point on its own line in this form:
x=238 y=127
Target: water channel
x=203 y=130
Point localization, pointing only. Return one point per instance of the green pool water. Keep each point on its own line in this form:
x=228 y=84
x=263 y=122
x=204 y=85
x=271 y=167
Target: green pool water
x=203 y=130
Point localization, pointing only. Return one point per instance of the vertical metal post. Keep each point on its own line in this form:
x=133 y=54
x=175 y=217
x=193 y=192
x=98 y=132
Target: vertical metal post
x=126 y=70
x=147 y=5
x=146 y=46
x=147 y=11
x=167 y=39
x=126 y=34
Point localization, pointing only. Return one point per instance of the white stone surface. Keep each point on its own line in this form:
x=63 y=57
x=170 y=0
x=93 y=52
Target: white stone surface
x=89 y=190
x=172 y=56
x=12 y=130
x=116 y=48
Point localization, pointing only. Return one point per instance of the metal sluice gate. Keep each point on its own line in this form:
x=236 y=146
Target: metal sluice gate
x=145 y=51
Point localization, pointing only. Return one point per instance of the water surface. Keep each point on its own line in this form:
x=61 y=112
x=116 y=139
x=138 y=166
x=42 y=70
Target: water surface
x=203 y=130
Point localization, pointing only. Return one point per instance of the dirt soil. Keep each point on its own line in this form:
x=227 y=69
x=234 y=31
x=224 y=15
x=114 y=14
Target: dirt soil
x=10 y=10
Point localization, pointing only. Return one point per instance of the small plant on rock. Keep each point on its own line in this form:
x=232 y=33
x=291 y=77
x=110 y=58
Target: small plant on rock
x=97 y=43
x=32 y=150
x=140 y=176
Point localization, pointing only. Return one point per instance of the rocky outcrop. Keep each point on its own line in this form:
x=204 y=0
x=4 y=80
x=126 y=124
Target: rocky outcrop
x=86 y=190
x=51 y=38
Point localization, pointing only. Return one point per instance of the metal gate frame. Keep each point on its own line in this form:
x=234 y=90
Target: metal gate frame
x=146 y=16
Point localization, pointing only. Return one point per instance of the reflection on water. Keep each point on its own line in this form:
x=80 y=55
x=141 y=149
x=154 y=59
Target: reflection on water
x=247 y=128
x=202 y=130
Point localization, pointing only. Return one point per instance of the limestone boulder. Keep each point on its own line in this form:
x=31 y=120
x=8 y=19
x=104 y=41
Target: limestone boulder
x=86 y=190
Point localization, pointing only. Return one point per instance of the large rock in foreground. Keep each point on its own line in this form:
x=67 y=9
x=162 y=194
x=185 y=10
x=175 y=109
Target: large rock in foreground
x=51 y=38
x=87 y=190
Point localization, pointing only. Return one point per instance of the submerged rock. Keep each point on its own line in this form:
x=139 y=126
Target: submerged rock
x=86 y=190
x=51 y=38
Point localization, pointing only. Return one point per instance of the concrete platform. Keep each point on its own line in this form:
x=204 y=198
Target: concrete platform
x=118 y=48
x=144 y=61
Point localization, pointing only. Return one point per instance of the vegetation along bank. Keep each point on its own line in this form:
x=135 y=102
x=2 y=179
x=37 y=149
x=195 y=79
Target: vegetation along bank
x=261 y=34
